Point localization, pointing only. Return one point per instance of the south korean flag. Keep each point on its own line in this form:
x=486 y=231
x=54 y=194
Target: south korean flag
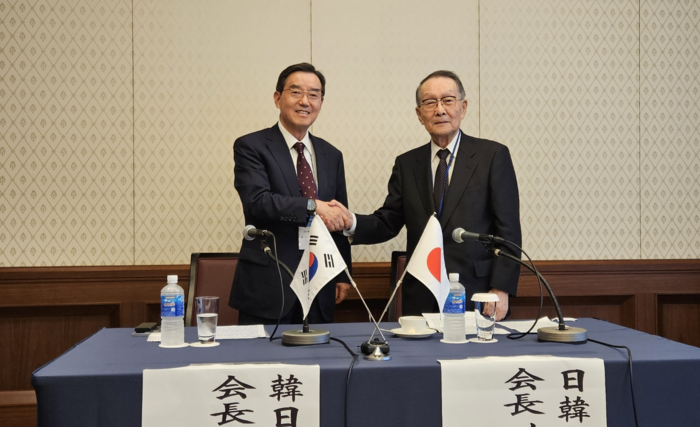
x=319 y=264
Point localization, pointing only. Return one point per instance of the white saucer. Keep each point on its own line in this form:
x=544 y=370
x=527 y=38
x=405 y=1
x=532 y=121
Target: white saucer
x=420 y=334
x=454 y=342
x=183 y=345
x=202 y=345
x=477 y=340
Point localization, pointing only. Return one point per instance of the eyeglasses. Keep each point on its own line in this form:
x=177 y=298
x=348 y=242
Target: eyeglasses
x=313 y=95
x=431 y=104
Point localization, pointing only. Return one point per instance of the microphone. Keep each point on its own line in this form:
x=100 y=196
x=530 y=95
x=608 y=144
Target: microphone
x=460 y=235
x=250 y=232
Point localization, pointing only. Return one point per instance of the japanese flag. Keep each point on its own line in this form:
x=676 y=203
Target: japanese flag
x=427 y=263
x=319 y=264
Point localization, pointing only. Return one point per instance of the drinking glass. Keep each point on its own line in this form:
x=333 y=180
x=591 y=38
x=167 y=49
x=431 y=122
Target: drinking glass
x=207 y=317
x=485 y=325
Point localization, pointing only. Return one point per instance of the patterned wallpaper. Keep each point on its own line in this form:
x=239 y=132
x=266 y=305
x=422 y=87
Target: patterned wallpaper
x=117 y=117
x=560 y=87
x=374 y=63
x=66 y=149
x=669 y=134
x=204 y=75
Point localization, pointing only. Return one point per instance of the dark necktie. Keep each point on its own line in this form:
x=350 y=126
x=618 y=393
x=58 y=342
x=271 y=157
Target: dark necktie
x=307 y=185
x=440 y=179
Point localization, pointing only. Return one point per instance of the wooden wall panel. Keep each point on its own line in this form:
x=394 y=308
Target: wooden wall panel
x=35 y=335
x=679 y=318
x=614 y=309
x=44 y=311
x=17 y=408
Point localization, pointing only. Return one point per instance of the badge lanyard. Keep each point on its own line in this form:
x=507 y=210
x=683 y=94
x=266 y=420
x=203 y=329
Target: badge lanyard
x=447 y=174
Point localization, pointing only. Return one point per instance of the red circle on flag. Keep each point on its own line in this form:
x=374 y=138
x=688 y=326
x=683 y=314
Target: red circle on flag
x=435 y=262
x=313 y=265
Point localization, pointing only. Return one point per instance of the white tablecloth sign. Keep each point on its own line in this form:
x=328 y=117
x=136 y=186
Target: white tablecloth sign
x=220 y=394
x=529 y=391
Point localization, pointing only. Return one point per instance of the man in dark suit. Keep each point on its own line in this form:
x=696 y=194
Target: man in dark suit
x=284 y=176
x=470 y=185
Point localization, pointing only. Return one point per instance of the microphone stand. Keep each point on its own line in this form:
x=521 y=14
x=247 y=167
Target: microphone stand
x=561 y=333
x=268 y=251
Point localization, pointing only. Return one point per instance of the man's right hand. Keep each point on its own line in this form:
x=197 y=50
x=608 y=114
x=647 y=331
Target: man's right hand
x=347 y=216
x=332 y=215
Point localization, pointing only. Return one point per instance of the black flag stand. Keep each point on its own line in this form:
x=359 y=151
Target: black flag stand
x=305 y=336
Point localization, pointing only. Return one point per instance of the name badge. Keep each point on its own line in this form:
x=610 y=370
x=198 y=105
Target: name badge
x=303 y=238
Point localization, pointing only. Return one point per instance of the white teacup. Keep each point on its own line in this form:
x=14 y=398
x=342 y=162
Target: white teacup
x=412 y=324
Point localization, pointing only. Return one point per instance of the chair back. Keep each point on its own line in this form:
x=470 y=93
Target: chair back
x=211 y=274
x=398 y=265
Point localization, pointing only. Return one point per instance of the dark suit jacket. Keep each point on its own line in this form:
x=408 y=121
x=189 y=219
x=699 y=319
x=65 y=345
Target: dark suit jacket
x=266 y=181
x=482 y=197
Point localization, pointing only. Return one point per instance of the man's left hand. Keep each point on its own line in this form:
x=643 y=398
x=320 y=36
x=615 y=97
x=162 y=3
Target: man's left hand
x=341 y=291
x=501 y=307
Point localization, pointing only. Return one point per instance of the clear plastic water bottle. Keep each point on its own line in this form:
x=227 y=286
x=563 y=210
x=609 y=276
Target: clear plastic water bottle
x=172 y=314
x=453 y=326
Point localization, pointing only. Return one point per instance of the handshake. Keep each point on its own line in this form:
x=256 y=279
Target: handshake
x=336 y=216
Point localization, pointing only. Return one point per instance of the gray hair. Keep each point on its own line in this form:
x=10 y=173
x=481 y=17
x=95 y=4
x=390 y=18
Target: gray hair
x=441 y=73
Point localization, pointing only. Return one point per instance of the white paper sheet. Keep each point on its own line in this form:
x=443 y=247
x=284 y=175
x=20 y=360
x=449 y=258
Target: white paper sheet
x=240 y=332
x=435 y=322
x=234 y=332
x=523 y=325
x=502 y=328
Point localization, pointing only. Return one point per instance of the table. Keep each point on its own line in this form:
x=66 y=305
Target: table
x=99 y=381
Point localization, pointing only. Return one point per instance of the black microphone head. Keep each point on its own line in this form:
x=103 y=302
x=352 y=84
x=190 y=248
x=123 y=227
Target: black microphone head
x=457 y=235
x=246 y=232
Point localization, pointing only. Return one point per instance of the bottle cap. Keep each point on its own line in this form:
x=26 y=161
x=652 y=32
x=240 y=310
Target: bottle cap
x=172 y=278
x=454 y=277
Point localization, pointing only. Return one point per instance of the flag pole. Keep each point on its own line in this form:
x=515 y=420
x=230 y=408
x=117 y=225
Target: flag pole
x=391 y=298
x=371 y=317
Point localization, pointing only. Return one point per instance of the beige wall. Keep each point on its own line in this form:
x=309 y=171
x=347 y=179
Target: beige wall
x=117 y=117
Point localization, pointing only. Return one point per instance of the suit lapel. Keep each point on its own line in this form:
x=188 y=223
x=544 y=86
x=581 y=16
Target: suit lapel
x=423 y=177
x=463 y=170
x=280 y=152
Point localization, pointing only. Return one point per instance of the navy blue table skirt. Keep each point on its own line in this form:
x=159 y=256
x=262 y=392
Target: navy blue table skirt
x=99 y=381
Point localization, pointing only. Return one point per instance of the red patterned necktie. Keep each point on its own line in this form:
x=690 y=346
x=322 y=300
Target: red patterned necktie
x=307 y=185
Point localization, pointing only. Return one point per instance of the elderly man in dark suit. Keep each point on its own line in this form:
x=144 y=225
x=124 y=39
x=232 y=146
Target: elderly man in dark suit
x=469 y=182
x=284 y=176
